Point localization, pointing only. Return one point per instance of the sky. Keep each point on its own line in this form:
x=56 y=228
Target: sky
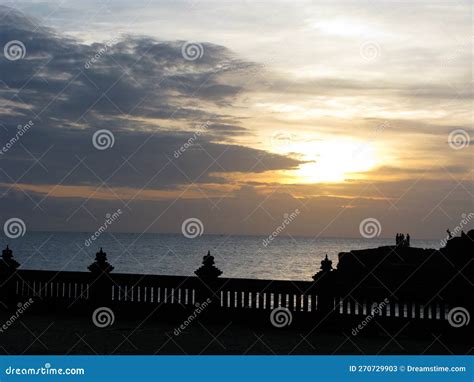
x=237 y=114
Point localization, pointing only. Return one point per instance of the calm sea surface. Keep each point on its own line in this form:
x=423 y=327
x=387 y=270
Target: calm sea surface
x=173 y=254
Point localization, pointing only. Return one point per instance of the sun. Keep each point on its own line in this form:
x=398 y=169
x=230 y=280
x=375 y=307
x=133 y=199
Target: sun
x=334 y=160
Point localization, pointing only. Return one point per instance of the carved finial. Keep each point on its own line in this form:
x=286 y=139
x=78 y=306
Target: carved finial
x=101 y=264
x=208 y=270
x=7 y=252
x=8 y=263
x=326 y=267
x=326 y=264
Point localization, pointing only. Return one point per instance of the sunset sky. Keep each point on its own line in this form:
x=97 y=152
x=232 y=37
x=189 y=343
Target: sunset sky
x=344 y=110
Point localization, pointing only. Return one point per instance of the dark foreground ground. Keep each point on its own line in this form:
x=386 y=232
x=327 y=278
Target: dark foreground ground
x=43 y=334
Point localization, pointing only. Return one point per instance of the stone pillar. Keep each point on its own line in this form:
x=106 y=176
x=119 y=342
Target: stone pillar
x=100 y=285
x=324 y=286
x=208 y=273
x=8 y=278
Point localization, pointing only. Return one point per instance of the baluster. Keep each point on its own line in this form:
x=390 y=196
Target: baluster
x=298 y=302
x=305 y=303
x=292 y=302
x=260 y=300
x=446 y=311
x=414 y=312
x=241 y=299
x=251 y=301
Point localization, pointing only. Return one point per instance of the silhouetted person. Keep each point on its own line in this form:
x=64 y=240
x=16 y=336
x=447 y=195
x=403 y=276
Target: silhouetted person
x=399 y=239
x=408 y=240
x=450 y=235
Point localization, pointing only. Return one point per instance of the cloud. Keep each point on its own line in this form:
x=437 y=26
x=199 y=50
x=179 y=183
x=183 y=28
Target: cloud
x=421 y=211
x=153 y=100
x=144 y=91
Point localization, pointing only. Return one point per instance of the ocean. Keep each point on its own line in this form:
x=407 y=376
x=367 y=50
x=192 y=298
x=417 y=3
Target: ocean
x=285 y=258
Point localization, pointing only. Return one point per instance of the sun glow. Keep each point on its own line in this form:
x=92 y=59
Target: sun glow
x=334 y=161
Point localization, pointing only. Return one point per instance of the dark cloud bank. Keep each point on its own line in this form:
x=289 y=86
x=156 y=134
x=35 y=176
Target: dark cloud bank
x=70 y=90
